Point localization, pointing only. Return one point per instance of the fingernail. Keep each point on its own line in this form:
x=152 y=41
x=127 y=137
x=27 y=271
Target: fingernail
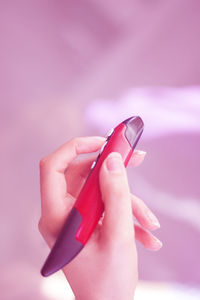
x=114 y=162
x=140 y=152
x=152 y=218
x=138 y=157
x=157 y=244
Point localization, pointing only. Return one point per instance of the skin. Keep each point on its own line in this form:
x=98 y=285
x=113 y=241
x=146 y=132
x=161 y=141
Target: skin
x=107 y=267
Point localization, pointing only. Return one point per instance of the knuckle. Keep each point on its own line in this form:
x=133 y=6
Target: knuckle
x=43 y=162
x=74 y=142
x=46 y=162
x=49 y=225
x=44 y=227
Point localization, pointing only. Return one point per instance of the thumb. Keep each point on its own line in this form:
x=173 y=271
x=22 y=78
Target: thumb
x=118 y=220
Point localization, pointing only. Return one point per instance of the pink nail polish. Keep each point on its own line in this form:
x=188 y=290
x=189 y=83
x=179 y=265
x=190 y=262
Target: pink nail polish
x=140 y=152
x=152 y=218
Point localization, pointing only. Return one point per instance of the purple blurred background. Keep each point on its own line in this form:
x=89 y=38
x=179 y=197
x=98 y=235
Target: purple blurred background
x=76 y=68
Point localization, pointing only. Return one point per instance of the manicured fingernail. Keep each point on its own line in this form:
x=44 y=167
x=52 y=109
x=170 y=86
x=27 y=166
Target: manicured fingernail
x=140 y=152
x=138 y=157
x=114 y=162
x=157 y=244
x=152 y=218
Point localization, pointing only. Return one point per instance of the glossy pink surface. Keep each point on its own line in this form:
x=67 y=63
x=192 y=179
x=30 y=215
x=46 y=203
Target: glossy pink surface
x=57 y=59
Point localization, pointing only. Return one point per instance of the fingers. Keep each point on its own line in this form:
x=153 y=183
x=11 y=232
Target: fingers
x=52 y=179
x=137 y=158
x=81 y=168
x=60 y=159
x=78 y=170
x=55 y=192
x=118 y=222
x=143 y=214
x=147 y=239
x=147 y=220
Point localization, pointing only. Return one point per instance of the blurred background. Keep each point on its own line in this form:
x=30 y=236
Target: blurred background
x=76 y=68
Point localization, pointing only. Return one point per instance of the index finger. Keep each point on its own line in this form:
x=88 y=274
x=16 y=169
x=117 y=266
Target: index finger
x=52 y=179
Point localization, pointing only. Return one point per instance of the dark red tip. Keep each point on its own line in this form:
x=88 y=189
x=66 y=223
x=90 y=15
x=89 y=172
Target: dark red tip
x=66 y=246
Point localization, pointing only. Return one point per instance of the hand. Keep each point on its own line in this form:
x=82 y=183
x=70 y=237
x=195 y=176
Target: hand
x=106 y=268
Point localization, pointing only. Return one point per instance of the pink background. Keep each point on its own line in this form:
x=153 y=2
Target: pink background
x=72 y=68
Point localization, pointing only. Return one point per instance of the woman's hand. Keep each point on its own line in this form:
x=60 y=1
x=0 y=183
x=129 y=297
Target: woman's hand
x=106 y=268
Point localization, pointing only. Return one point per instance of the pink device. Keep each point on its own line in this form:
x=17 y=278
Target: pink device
x=89 y=207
